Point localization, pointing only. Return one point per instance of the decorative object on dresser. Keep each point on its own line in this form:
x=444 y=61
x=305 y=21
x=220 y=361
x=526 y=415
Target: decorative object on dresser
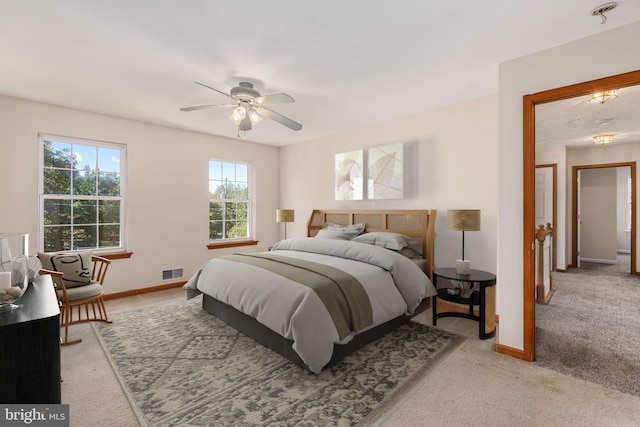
x=14 y=269
x=30 y=347
x=285 y=215
x=79 y=279
x=463 y=220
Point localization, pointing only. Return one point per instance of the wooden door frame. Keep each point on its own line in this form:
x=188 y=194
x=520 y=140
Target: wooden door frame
x=574 y=208
x=529 y=164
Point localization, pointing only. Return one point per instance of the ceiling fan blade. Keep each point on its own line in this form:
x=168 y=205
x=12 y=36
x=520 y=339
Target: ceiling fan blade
x=202 y=107
x=293 y=125
x=276 y=98
x=216 y=90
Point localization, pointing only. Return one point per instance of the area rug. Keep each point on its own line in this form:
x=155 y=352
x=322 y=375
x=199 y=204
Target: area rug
x=179 y=365
x=590 y=328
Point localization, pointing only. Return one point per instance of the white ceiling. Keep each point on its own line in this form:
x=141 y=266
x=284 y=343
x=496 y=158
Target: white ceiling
x=574 y=122
x=347 y=63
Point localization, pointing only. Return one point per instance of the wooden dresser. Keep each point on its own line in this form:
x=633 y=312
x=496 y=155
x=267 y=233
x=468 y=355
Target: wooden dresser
x=30 y=347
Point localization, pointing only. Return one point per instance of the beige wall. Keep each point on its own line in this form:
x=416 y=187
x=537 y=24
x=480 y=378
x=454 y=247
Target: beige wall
x=598 y=240
x=452 y=162
x=167 y=191
x=552 y=68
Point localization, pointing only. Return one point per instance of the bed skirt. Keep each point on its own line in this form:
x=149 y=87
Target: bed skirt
x=268 y=338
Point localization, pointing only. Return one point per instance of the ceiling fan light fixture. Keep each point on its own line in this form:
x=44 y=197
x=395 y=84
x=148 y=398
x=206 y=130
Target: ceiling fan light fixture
x=602 y=139
x=239 y=113
x=602 y=97
x=254 y=116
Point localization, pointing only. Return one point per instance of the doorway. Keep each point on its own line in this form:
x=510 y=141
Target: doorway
x=529 y=138
x=598 y=233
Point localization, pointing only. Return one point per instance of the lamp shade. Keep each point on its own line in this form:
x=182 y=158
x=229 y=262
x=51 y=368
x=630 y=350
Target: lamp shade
x=285 y=215
x=463 y=219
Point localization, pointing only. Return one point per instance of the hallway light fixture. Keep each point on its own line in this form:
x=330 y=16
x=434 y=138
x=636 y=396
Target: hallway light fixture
x=602 y=97
x=602 y=139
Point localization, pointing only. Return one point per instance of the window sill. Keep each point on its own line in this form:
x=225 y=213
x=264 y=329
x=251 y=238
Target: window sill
x=223 y=245
x=116 y=255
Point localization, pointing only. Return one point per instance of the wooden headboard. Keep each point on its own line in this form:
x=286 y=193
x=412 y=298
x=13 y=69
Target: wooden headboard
x=409 y=222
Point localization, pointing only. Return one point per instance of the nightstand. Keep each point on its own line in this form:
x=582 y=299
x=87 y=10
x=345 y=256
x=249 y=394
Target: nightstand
x=483 y=297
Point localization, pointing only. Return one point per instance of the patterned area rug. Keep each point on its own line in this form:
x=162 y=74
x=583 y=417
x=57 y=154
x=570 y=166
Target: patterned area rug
x=182 y=366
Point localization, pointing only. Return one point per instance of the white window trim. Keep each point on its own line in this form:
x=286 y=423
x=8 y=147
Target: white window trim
x=123 y=189
x=251 y=198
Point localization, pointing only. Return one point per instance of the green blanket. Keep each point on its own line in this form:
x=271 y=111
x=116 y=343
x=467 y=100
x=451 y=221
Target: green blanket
x=342 y=294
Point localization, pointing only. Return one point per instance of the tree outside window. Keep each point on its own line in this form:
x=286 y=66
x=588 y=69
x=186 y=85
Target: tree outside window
x=229 y=203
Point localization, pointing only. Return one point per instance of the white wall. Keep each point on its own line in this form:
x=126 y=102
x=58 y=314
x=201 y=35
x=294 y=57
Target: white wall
x=167 y=198
x=453 y=156
x=552 y=68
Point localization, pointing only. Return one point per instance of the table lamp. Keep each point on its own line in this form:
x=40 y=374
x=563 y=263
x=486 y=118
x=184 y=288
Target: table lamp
x=285 y=215
x=463 y=220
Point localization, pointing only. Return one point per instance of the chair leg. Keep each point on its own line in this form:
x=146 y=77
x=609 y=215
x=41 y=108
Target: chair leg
x=66 y=317
x=103 y=311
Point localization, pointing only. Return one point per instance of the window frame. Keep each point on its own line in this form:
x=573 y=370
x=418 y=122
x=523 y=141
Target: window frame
x=233 y=241
x=121 y=198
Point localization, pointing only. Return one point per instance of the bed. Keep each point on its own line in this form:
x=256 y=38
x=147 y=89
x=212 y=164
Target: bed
x=378 y=264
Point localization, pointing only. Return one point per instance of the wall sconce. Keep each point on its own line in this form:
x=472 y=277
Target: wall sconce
x=463 y=220
x=285 y=215
x=602 y=97
x=605 y=138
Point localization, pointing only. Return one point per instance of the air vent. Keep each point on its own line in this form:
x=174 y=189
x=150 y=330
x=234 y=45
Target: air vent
x=174 y=273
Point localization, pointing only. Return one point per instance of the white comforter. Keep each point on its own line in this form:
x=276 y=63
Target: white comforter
x=394 y=284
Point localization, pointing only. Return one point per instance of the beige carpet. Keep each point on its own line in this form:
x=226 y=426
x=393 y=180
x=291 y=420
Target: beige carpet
x=474 y=386
x=591 y=327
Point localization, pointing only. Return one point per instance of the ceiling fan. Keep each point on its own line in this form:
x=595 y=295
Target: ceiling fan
x=249 y=106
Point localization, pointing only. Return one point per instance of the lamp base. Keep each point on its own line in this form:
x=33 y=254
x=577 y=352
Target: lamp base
x=463 y=267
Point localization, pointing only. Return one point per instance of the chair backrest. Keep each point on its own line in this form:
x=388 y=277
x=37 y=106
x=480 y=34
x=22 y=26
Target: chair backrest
x=99 y=270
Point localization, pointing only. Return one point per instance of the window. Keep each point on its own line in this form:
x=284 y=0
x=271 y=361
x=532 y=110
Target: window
x=229 y=201
x=81 y=195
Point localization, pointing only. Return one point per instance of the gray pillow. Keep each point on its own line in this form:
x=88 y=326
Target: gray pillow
x=393 y=241
x=409 y=253
x=353 y=227
x=76 y=266
x=337 y=234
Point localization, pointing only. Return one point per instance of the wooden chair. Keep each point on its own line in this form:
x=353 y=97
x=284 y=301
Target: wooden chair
x=87 y=299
